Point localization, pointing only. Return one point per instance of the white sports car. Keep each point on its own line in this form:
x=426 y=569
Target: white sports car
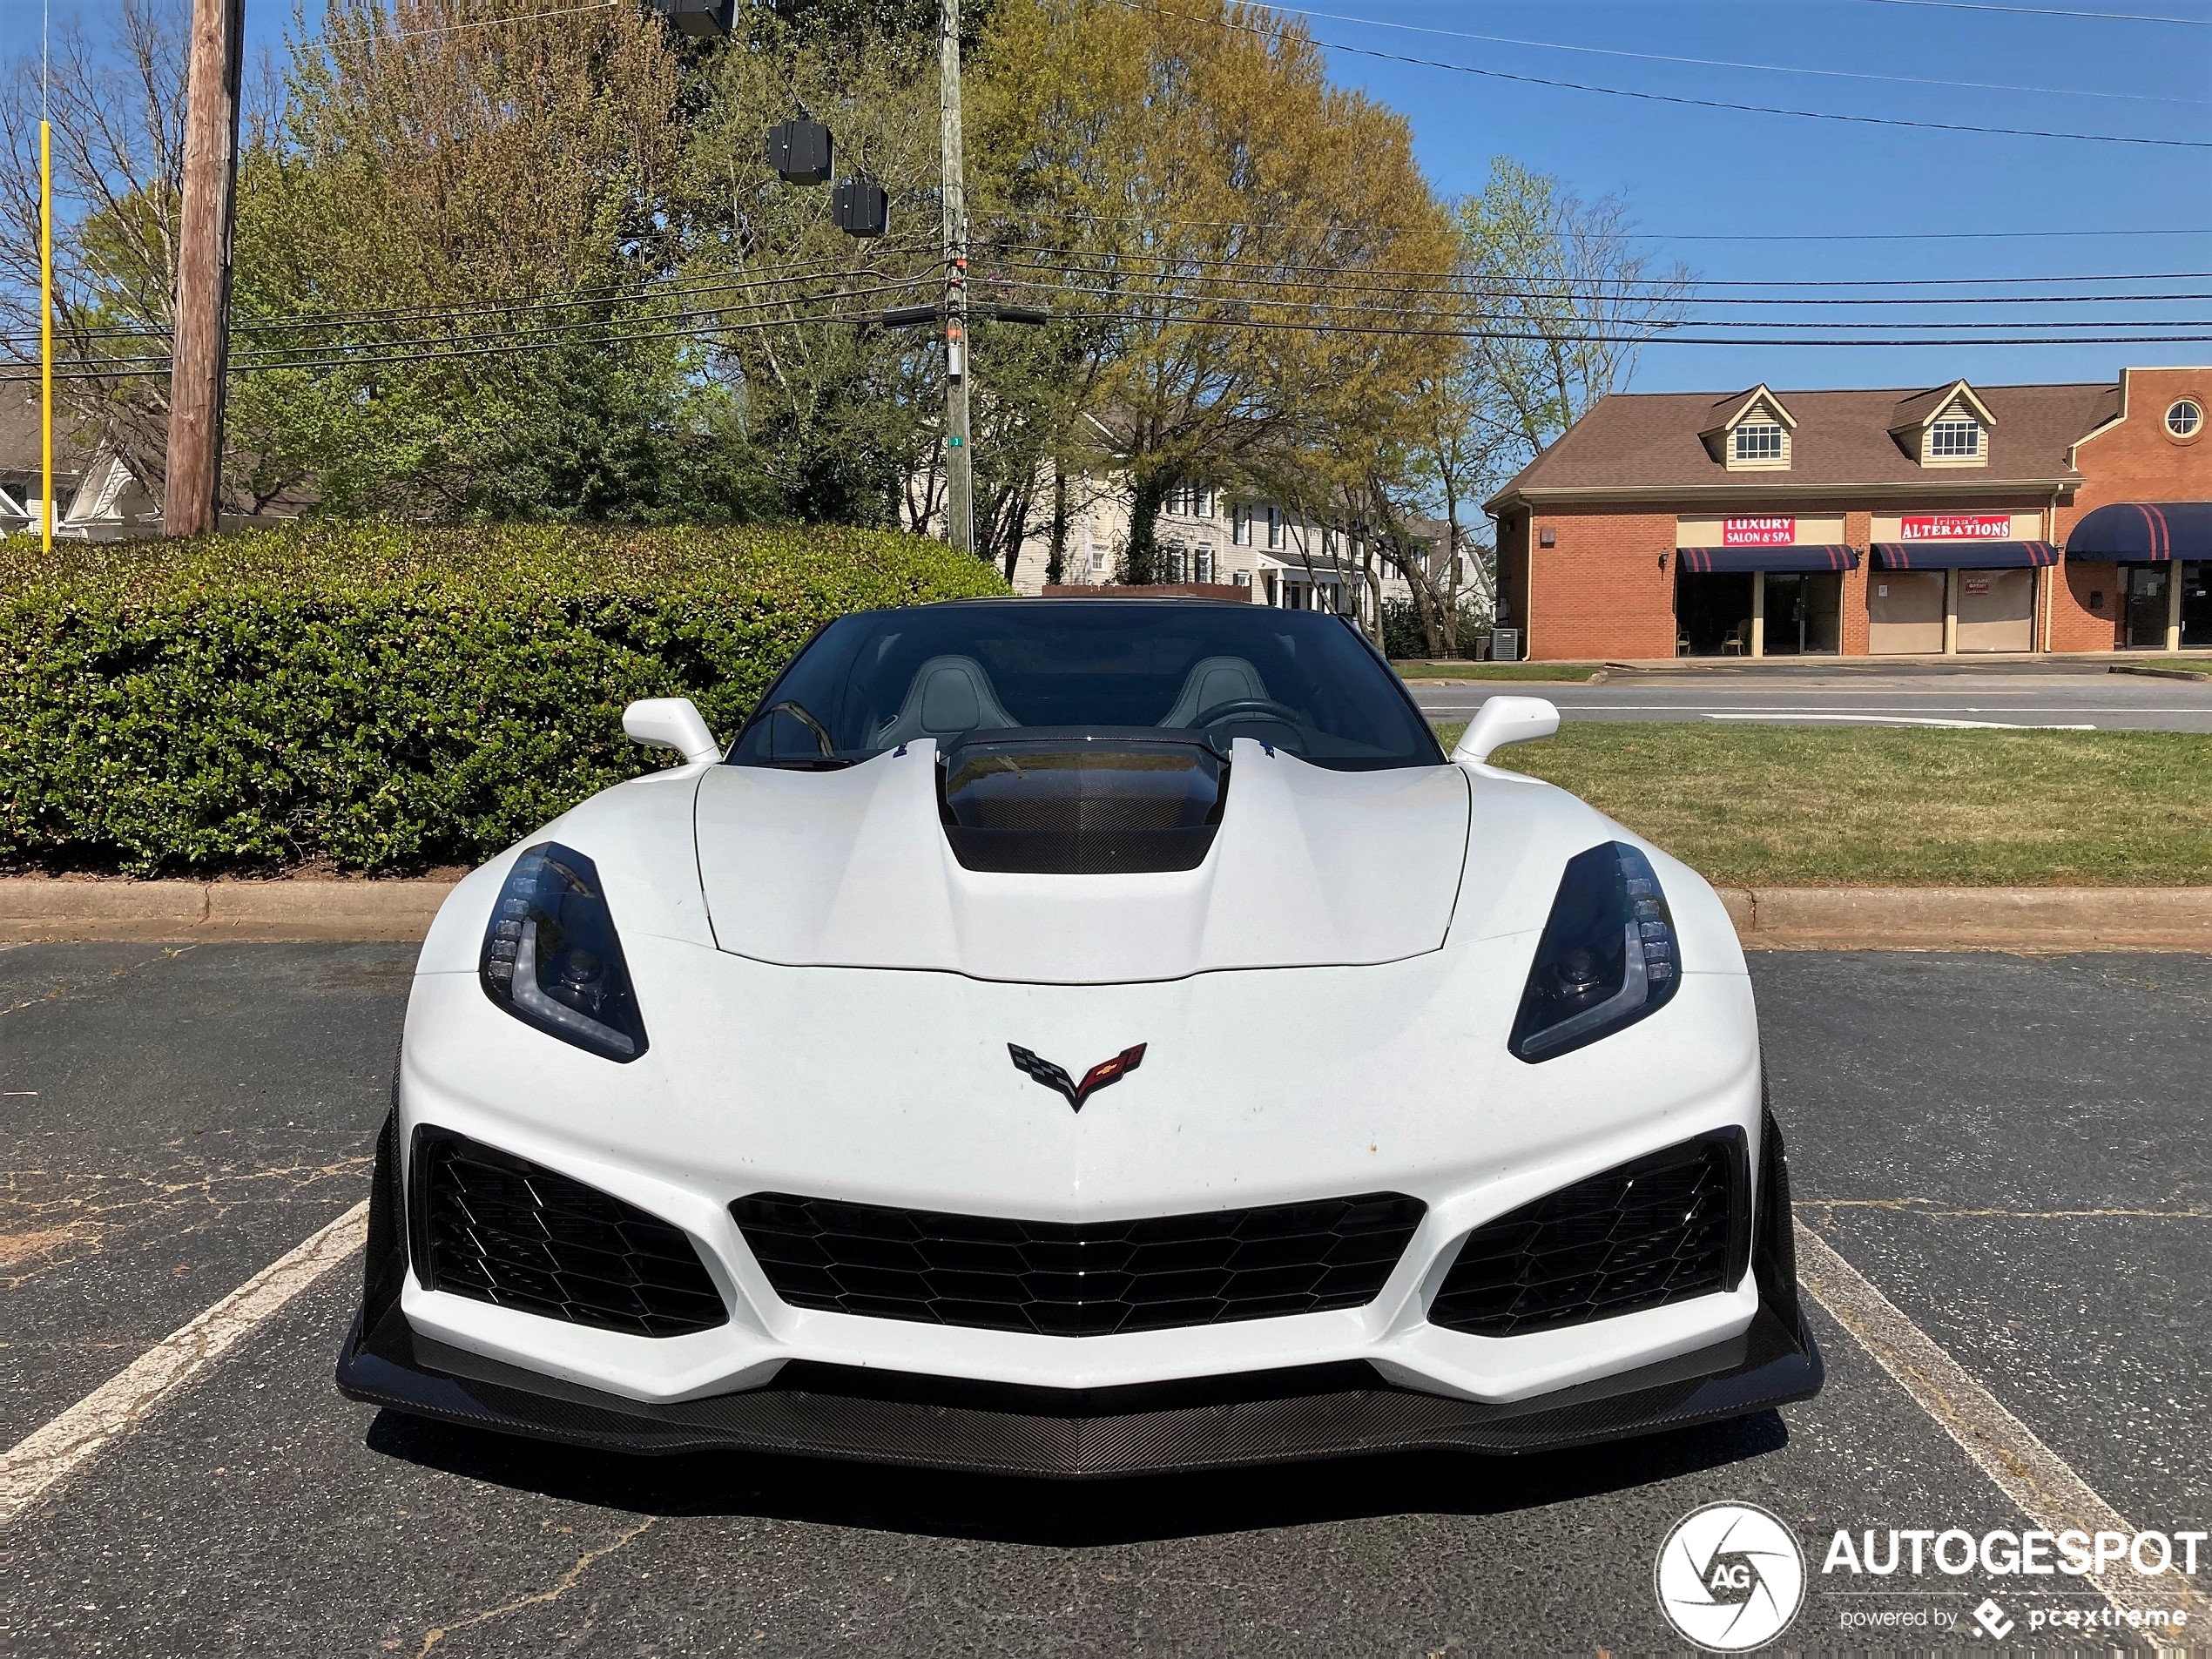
x=1081 y=1037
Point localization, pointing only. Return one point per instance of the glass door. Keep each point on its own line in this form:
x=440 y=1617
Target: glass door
x=2196 y=603
x=2147 y=606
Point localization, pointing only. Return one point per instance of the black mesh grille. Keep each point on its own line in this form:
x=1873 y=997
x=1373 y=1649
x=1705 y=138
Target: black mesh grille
x=1668 y=1226
x=1089 y=1279
x=502 y=1230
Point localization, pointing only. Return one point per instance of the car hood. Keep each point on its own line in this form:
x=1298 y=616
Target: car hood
x=852 y=868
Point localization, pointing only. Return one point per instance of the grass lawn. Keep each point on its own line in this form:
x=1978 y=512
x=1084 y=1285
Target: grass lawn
x=1495 y=671
x=2186 y=664
x=1871 y=807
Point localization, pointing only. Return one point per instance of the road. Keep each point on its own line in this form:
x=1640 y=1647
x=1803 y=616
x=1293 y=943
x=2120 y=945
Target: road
x=2011 y=1149
x=2058 y=695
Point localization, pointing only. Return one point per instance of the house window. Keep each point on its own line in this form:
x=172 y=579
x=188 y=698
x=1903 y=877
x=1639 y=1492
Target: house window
x=1202 y=565
x=1759 y=440
x=1274 y=526
x=2185 y=418
x=1954 y=438
x=1241 y=527
x=1202 y=500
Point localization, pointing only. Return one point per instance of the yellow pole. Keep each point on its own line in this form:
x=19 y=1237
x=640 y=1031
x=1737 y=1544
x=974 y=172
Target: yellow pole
x=46 y=333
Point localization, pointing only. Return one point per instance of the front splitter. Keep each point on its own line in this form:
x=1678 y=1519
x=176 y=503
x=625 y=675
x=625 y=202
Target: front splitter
x=1264 y=1417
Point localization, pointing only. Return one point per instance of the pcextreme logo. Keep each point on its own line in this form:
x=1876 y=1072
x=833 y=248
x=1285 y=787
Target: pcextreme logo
x=1729 y=1577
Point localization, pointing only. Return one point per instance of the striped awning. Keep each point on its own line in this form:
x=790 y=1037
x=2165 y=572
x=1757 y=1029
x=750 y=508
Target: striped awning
x=1964 y=556
x=2141 y=532
x=1776 y=559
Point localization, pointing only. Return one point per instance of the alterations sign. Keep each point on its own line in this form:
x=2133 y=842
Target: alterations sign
x=1758 y=532
x=1955 y=527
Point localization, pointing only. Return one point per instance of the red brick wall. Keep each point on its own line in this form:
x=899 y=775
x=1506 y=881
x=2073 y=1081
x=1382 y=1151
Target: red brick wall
x=1859 y=532
x=1602 y=591
x=2135 y=460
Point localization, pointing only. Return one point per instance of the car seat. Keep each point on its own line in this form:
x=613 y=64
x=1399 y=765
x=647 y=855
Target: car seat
x=1212 y=682
x=948 y=696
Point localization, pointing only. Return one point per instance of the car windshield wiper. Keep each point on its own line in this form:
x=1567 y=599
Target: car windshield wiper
x=828 y=760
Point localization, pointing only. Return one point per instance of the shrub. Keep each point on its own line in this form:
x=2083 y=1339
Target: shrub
x=385 y=698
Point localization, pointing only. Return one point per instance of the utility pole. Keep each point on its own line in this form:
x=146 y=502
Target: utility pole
x=193 y=492
x=959 y=474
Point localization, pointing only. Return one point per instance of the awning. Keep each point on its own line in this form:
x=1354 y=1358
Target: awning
x=1964 y=556
x=2141 y=532
x=1779 y=559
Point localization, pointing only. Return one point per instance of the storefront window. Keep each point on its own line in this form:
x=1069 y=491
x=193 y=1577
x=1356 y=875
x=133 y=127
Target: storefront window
x=2196 y=603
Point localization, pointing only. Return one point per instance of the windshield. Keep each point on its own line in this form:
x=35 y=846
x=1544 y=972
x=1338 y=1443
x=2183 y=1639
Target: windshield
x=1299 y=680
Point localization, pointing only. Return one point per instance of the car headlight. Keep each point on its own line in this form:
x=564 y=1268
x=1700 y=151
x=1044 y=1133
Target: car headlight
x=551 y=957
x=1607 y=958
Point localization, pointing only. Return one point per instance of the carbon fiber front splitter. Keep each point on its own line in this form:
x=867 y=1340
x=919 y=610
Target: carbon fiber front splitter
x=1323 y=1411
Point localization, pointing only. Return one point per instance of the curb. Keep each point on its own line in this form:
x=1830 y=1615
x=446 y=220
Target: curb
x=2181 y=674
x=2032 y=919
x=36 y=909
x=39 y=910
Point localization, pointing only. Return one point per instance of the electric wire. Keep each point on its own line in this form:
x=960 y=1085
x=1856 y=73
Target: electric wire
x=1683 y=100
x=2045 y=11
x=1725 y=62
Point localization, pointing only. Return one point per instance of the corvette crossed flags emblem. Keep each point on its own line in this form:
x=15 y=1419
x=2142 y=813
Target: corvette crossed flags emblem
x=1055 y=1077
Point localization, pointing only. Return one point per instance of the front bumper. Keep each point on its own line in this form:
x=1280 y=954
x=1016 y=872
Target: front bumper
x=1255 y=1417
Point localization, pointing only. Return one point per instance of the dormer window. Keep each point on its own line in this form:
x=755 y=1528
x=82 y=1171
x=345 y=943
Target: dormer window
x=1955 y=438
x=1758 y=441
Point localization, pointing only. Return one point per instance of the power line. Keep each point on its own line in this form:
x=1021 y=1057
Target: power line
x=1682 y=99
x=1726 y=63
x=2045 y=11
x=682 y=289
x=1335 y=275
x=1646 y=236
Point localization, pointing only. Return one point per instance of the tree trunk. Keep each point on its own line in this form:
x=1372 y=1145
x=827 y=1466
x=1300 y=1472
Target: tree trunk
x=1056 y=561
x=1141 y=563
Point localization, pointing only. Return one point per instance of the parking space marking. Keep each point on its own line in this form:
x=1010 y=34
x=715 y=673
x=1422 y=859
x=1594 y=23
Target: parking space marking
x=2042 y=1483
x=49 y=1455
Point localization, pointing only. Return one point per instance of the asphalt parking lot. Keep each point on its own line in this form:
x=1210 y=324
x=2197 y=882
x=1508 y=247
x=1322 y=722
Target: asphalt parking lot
x=2063 y=695
x=2011 y=1149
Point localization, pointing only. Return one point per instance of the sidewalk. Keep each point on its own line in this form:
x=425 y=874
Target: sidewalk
x=39 y=910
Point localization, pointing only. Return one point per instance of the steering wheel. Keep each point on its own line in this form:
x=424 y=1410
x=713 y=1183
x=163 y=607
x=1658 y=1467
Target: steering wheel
x=1248 y=708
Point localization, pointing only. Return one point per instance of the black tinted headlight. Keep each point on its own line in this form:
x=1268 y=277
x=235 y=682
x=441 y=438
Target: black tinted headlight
x=551 y=958
x=1607 y=958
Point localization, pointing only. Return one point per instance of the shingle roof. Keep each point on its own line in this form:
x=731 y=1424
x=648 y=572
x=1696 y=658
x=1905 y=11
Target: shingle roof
x=19 y=434
x=1650 y=440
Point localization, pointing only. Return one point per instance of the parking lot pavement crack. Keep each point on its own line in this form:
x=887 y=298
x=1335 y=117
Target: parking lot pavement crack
x=1929 y=1207
x=559 y=1587
x=2035 y=1478
x=77 y=988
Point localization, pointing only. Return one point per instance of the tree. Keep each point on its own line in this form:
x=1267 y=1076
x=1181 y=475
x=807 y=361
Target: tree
x=1190 y=185
x=117 y=118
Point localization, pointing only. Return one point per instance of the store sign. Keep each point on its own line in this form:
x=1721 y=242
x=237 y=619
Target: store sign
x=1975 y=584
x=1955 y=527
x=1758 y=532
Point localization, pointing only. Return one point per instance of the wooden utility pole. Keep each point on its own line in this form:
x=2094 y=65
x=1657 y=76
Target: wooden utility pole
x=959 y=474
x=193 y=491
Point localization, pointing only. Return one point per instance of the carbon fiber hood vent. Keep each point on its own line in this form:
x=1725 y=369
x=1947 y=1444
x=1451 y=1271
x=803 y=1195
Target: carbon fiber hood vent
x=1081 y=803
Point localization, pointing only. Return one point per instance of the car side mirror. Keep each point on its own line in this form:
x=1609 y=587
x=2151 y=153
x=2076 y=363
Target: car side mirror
x=1502 y=720
x=671 y=722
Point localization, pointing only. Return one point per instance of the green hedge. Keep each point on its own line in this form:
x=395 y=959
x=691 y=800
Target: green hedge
x=383 y=697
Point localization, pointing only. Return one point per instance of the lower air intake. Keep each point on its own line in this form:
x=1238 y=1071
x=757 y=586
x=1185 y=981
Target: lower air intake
x=1084 y=1279
x=502 y=1230
x=1675 y=1225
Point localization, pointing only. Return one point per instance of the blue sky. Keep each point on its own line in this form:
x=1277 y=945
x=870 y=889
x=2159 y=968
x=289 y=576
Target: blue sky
x=1694 y=173
x=1688 y=172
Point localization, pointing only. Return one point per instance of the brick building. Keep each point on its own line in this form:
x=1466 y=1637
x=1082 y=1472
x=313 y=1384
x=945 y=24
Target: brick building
x=1950 y=519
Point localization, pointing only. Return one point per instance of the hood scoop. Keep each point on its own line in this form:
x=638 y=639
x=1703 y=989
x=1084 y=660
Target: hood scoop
x=1081 y=803
x=1050 y=860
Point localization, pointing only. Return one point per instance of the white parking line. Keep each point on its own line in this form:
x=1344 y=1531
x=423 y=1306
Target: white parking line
x=1795 y=717
x=2042 y=1483
x=48 y=1456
